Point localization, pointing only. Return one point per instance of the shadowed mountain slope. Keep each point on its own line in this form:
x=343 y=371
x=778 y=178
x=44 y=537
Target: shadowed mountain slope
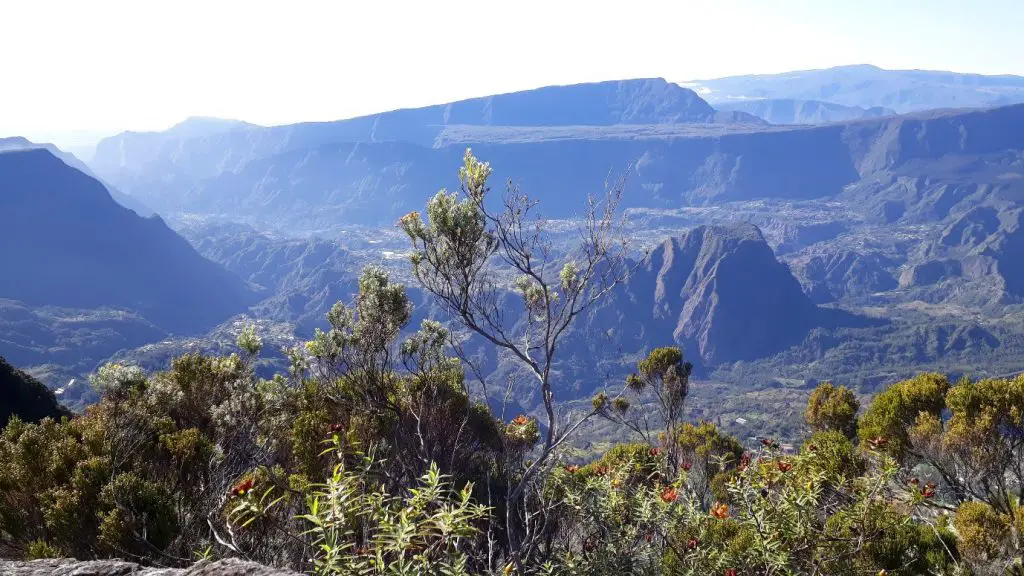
x=71 y=245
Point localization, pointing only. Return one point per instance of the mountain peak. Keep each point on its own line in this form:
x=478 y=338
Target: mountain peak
x=722 y=294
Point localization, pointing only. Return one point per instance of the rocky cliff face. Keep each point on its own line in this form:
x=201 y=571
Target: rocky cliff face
x=836 y=275
x=717 y=290
x=984 y=244
x=729 y=294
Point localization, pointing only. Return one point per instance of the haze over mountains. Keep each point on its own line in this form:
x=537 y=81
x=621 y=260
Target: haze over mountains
x=790 y=111
x=868 y=86
x=805 y=227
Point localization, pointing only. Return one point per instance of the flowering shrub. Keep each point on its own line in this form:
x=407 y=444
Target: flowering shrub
x=783 y=515
x=208 y=459
x=354 y=526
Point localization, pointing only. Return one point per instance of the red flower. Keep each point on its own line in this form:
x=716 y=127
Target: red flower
x=655 y=452
x=243 y=487
x=730 y=572
x=572 y=468
x=879 y=442
x=914 y=481
x=336 y=428
x=744 y=461
x=784 y=466
x=601 y=470
x=692 y=544
x=928 y=492
x=686 y=465
x=520 y=420
x=769 y=443
x=669 y=494
x=720 y=510
x=649 y=537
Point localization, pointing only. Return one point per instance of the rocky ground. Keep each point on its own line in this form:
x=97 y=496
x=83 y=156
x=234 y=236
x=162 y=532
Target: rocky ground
x=72 y=567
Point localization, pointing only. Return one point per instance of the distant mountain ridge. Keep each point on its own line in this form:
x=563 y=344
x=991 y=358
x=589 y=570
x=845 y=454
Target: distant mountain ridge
x=868 y=86
x=185 y=158
x=790 y=111
x=316 y=186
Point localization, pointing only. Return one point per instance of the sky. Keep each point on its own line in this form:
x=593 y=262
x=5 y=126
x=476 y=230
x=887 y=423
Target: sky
x=71 y=71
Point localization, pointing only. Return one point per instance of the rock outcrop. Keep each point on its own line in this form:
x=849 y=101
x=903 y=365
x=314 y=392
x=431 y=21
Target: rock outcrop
x=718 y=291
x=832 y=276
x=72 y=567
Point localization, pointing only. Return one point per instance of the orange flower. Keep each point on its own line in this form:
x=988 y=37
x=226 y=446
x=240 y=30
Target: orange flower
x=784 y=466
x=601 y=470
x=720 y=510
x=520 y=420
x=572 y=468
x=243 y=487
x=744 y=461
x=879 y=442
x=769 y=443
x=669 y=494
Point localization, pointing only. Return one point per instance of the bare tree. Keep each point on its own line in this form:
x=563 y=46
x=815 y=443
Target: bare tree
x=469 y=257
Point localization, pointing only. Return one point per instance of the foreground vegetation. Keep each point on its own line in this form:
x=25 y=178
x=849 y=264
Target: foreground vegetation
x=372 y=455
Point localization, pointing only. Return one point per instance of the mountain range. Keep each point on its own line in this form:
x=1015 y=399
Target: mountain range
x=791 y=236
x=321 y=177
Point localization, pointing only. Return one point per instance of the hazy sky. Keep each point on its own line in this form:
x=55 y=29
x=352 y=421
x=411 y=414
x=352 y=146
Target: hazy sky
x=107 y=66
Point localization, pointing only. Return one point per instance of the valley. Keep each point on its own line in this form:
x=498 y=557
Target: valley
x=833 y=240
